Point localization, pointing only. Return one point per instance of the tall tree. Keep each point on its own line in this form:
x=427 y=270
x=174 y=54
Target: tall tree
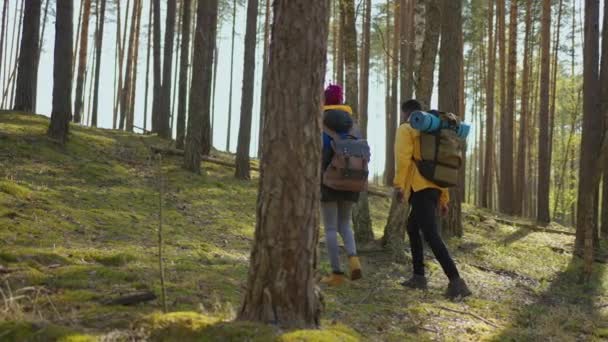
x=82 y=62
x=165 y=91
x=133 y=87
x=389 y=160
x=486 y=189
x=26 y=85
x=229 y=128
x=147 y=81
x=3 y=32
x=157 y=121
x=520 y=183
x=125 y=91
x=424 y=85
x=544 y=159
x=592 y=131
x=281 y=284
x=199 y=124
x=98 y=46
x=62 y=71
x=264 y=66
x=604 y=110
x=365 y=66
x=183 y=74
x=451 y=91
x=507 y=117
x=244 y=142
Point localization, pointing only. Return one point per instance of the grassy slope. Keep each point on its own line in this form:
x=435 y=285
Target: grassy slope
x=79 y=224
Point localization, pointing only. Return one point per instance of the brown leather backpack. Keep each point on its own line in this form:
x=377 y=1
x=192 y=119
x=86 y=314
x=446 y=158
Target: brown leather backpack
x=348 y=169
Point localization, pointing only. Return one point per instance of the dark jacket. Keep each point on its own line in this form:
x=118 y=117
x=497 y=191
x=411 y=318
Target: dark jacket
x=340 y=121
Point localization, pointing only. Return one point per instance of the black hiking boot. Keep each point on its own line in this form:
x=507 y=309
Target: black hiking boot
x=458 y=288
x=416 y=282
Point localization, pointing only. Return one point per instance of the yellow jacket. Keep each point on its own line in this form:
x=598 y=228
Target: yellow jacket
x=345 y=108
x=407 y=176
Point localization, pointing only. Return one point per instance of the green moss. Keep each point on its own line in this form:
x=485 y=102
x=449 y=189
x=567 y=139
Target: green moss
x=118 y=259
x=14 y=189
x=329 y=334
x=34 y=332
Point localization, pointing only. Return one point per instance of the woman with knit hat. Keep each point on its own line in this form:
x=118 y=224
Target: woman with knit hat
x=336 y=205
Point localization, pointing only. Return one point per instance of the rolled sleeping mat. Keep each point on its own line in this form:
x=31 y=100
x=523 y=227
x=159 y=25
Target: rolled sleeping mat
x=425 y=122
x=428 y=123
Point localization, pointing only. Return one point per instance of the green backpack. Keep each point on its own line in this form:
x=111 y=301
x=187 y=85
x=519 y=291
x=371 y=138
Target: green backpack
x=442 y=155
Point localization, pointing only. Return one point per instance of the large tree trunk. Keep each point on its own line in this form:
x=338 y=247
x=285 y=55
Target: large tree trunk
x=82 y=62
x=520 y=183
x=242 y=152
x=604 y=110
x=281 y=286
x=164 y=103
x=156 y=71
x=183 y=74
x=365 y=68
x=62 y=71
x=200 y=90
x=99 y=44
x=507 y=116
x=424 y=86
x=389 y=159
x=544 y=159
x=26 y=85
x=486 y=189
x=592 y=129
x=451 y=93
x=264 y=67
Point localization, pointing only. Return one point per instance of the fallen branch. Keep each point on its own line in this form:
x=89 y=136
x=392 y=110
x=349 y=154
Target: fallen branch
x=530 y=226
x=132 y=299
x=177 y=152
x=470 y=314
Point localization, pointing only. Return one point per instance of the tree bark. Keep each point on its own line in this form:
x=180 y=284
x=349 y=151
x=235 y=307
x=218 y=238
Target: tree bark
x=133 y=90
x=507 y=117
x=200 y=100
x=99 y=45
x=242 y=152
x=281 y=286
x=520 y=186
x=125 y=92
x=264 y=67
x=229 y=128
x=592 y=130
x=62 y=71
x=451 y=93
x=424 y=86
x=486 y=189
x=156 y=71
x=26 y=85
x=544 y=159
x=147 y=82
x=604 y=110
x=82 y=62
x=183 y=74
x=3 y=33
x=164 y=102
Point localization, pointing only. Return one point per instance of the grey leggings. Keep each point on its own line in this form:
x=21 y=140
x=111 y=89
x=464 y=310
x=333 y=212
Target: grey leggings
x=336 y=219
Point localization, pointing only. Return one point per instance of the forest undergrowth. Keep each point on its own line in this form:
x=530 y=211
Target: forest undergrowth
x=78 y=234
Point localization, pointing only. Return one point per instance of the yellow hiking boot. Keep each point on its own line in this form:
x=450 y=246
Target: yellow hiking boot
x=334 y=279
x=355 y=268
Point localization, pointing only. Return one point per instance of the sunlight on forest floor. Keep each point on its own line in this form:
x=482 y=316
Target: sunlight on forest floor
x=78 y=228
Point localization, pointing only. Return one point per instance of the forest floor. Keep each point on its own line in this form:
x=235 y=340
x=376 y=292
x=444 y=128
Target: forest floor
x=78 y=228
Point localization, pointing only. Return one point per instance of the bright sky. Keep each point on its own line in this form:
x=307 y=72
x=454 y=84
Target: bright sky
x=376 y=105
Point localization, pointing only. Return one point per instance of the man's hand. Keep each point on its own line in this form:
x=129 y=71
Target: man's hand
x=444 y=209
x=399 y=194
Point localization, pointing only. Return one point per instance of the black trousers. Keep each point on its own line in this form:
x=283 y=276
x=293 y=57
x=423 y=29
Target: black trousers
x=423 y=218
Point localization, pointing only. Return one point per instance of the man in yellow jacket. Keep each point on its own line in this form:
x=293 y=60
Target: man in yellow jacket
x=425 y=199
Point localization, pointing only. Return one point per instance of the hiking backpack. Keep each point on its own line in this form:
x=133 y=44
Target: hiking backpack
x=442 y=152
x=348 y=169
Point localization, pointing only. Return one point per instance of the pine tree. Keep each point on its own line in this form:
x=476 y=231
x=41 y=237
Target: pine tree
x=281 y=290
x=487 y=188
x=242 y=154
x=26 y=79
x=98 y=47
x=544 y=159
x=82 y=62
x=197 y=138
x=62 y=71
